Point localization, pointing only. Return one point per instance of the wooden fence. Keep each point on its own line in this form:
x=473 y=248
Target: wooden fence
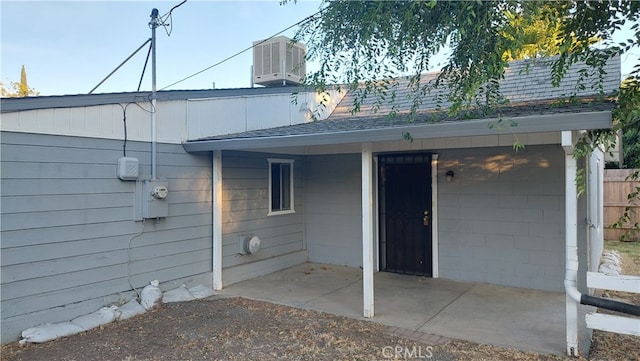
x=616 y=189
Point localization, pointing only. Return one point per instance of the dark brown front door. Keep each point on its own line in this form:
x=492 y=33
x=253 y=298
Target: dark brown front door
x=405 y=213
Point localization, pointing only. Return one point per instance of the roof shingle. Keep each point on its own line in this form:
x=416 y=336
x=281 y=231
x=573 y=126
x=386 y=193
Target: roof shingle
x=526 y=86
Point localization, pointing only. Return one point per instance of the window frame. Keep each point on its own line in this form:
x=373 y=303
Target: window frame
x=290 y=162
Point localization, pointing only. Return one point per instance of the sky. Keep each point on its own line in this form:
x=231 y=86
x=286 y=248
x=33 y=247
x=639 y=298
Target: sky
x=68 y=47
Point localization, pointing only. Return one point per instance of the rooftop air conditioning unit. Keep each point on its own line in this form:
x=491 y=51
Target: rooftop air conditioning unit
x=278 y=61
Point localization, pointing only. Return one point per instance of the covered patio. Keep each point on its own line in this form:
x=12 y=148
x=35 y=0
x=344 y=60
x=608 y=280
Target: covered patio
x=487 y=201
x=524 y=319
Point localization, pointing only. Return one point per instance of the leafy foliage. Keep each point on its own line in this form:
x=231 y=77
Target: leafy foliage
x=375 y=42
x=627 y=117
x=533 y=33
x=368 y=45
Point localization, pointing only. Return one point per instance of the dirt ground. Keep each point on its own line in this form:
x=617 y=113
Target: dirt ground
x=222 y=328
x=241 y=329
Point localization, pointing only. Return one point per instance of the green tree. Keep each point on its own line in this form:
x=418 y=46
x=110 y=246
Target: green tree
x=18 y=90
x=627 y=118
x=374 y=42
x=367 y=41
x=534 y=31
x=23 y=87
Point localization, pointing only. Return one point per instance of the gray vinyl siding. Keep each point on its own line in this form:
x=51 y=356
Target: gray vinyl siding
x=501 y=220
x=245 y=205
x=333 y=209
x=69 y=242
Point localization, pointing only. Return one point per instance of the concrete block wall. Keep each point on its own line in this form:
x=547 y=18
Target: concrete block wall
x=502 y=217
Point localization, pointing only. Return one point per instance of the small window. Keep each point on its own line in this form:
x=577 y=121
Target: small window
x=280 y=186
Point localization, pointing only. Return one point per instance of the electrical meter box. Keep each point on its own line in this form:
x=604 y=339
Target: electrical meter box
x=154 y=198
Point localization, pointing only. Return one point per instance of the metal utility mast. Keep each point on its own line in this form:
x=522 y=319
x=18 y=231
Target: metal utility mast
x=153 y=24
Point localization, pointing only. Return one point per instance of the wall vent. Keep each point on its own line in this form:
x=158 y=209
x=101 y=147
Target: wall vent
x=278 y=62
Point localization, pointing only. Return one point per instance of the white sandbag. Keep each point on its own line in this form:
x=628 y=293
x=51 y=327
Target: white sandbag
x=610 y=269
x=610 y=257
x=201 y=291
x=614 y=252
x=179 y=294
x=130 y=309
x=100 y=317
x=49 y=331
x=151 y=295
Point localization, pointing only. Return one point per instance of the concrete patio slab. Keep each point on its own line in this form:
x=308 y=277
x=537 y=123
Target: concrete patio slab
x=503 y=316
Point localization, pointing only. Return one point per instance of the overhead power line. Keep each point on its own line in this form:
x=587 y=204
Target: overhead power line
x=308 y=18
x=162 y=20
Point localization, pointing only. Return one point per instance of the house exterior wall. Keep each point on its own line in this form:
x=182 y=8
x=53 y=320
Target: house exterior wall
x=69 y=241
x=502 y=218
x=245 y=204
x=177 y=120
x=333 y=209
x=228 y=115
x=103 y=121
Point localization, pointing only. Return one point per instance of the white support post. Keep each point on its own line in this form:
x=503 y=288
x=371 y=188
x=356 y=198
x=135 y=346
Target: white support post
x=571 y=244
x=216 y=214
x=367 y=230
x=434 y=216
x=595 y=200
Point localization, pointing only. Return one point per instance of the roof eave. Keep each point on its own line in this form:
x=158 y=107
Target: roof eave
x=526 y=124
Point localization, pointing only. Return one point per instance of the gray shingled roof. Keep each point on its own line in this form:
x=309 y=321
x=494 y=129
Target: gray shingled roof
x=532 y=100
x=526 y=85
x=524 y=81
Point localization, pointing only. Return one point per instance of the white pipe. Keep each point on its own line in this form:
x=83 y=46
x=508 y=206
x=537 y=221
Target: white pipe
x=251 y=77
x=284 y=71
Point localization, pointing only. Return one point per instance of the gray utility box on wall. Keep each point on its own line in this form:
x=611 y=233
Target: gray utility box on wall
x=154 y=198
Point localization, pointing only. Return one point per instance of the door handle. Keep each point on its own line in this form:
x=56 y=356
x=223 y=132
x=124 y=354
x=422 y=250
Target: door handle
x=425 y=219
